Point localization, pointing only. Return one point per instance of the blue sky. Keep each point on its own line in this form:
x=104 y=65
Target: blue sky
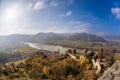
x=99 y=17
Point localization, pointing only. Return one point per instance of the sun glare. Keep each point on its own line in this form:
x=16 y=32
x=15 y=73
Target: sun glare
x=11 y=13
x=10 y=18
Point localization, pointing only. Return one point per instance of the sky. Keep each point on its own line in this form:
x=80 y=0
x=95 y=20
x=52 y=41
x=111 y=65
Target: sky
x=101 y=17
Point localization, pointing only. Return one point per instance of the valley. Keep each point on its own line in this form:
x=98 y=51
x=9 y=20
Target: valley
x=77 y=54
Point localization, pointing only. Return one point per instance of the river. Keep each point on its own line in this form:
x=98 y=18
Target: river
x=47 y=47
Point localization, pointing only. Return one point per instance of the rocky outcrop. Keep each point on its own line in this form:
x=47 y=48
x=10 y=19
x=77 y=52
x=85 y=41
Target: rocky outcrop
x=96 y=66
x=113 y=73
x=75 y=58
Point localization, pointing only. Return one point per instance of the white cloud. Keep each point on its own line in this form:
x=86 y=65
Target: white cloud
x=52 y=26
x=54 y=4
x=102 y=33
x=116 y=12
x=39 y=5
x=70 y=27
x=78 y=26
x=67 y=14
x=30 y=5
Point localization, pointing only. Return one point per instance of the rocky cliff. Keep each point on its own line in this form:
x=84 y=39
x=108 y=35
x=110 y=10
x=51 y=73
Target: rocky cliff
x=113 y=73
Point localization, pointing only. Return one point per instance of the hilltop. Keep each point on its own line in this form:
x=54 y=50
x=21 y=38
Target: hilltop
x=71 y=65
x=52 y=37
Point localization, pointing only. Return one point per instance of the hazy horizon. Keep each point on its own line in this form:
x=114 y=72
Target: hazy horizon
x=101 y=17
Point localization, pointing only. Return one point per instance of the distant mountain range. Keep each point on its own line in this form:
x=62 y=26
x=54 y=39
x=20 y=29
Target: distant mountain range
x=112 y=37
x=51 y=37
x=85 y=37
